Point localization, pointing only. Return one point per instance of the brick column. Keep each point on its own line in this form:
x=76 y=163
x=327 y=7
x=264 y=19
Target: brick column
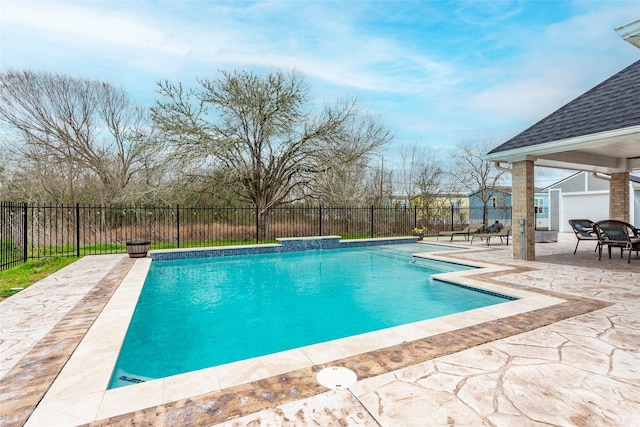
x=523 y=208
x=619 y=196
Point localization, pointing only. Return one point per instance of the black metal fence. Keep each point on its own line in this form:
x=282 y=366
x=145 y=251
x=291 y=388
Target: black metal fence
x=29 y=231
x=13 y=234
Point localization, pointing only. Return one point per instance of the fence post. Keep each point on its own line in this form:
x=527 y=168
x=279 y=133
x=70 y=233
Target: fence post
x=78 y=230
x=415 y=217
x=257 y=225
x=372 y=221
x=451 y=216
x=25 y=231
x=320 y=219
x=178 y=224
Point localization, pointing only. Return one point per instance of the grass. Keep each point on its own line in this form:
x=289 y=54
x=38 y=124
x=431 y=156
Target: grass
x=24 y=275
x=9 y=252
x=27 y=274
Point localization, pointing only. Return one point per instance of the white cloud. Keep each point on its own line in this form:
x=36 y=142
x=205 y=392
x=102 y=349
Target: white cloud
x=486 y=13
x=84 y=26
x=557 y=65
x=459 y=68
x=310 y=37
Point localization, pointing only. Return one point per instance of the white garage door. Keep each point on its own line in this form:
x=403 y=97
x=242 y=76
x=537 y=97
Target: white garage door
x=593 y=206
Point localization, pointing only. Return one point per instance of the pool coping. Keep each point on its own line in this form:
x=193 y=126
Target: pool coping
x=248 y=386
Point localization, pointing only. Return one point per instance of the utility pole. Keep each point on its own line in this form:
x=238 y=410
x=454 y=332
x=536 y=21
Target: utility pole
x=381 y=181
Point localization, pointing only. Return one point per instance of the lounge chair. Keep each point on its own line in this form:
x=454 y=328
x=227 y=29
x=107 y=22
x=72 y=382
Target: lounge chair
x=619 y=234
x=505 y=232
x=583 y=229
x=466 y=232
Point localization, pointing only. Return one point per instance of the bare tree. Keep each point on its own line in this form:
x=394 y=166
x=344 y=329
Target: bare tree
x=76 y=127
x=410 y=159
x=430 y=189
x=422 y=183
x=477 y=175
x=4 y=169
x=380 y=186
x=342 y=185
x=421 y=174
x=263 y=134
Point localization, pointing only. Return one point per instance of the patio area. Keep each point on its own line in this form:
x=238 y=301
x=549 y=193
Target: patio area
x=574 y=359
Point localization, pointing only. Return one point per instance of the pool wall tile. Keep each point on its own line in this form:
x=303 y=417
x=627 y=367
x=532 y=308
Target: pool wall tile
x=476 y=289
x=286 y=244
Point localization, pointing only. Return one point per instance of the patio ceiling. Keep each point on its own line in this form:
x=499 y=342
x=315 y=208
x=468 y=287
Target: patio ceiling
x=605 y=152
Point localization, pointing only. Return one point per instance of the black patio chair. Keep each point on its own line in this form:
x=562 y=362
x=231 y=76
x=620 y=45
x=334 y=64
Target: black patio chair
x=583 y=229
x=619 y=234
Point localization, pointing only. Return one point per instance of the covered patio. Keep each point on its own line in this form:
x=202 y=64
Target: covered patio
x=597 y=132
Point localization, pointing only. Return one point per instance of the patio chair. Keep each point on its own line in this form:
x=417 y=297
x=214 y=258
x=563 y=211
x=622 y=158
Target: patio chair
x=583 y=229
x=619 y=234
x=505 y=232
x=466 y=232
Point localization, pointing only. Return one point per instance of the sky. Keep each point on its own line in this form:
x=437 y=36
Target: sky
x=437 y=73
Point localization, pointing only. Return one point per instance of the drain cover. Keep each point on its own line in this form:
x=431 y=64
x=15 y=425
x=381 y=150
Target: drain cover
x=336 y=377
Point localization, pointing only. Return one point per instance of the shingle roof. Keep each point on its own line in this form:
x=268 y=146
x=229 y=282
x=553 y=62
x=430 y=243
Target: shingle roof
x=613 y=104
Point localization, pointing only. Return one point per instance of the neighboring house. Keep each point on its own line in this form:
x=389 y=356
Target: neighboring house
x=441 y=201
x=585 y=195
x=541 y=207
x=499 y=206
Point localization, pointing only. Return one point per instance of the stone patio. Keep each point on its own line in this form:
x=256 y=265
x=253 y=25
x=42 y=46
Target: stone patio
x=572 y=363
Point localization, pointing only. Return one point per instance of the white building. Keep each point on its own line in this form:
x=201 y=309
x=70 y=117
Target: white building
x=586 y=195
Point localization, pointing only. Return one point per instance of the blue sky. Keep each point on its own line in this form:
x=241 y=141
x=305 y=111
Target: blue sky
x=438 y=73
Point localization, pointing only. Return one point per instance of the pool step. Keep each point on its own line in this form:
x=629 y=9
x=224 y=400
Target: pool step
x=132 y=380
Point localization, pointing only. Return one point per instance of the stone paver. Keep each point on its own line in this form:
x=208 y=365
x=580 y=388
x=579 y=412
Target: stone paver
x=582 y=371
x=40 y=365
x=577 y=363
x=26 y=319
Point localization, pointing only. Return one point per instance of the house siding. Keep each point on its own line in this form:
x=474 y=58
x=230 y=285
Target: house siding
x=542 y=212
x=596 y=184
x=501 y=213
x=636 y=208
x=584 y=196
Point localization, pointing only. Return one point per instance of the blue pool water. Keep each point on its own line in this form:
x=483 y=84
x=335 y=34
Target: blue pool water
x=204 y=312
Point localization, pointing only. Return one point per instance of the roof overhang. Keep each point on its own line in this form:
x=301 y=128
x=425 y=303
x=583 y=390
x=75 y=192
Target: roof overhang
x=630 y=33
x=606 y=152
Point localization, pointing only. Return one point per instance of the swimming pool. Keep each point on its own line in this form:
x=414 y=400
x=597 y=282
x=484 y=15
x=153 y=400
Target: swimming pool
x=198 y=313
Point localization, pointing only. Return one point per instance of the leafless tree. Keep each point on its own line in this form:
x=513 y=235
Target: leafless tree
x=421 y=174
x=262 y=132
x=410 y=159
x=4 y=169
x=422 y=182
x=428 y=180
x=342 y=185
x=380 y=186
x=76 y=127
x=477 y=175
